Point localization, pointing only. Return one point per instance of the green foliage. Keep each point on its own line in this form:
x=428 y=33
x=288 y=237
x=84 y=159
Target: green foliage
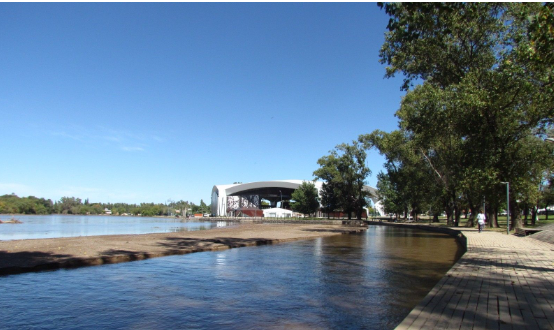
x=344 y=172
x=151 y=209
x=409 y=181
x=202 y=208
x=439 y=42
x=390 y=194
x=72 y=205
x=329 y=197
x=483 y=104
x=25 y=205
x=305 y=198
x=68 y=205
x=541 y=32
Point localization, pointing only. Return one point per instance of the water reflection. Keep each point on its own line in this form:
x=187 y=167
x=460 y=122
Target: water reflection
x=363 y=281
x=52 y=226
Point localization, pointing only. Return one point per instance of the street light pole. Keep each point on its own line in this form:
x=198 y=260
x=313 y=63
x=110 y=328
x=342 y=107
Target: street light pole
x=508 y=205
x=484 y=210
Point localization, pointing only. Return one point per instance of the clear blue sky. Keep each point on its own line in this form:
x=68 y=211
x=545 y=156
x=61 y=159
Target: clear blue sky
x=143 y=102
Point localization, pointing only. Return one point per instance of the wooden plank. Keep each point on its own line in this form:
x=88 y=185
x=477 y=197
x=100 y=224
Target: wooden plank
x=501 y=282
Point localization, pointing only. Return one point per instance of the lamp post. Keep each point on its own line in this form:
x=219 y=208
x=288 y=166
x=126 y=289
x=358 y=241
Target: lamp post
x=484 y=210
x=508 y=206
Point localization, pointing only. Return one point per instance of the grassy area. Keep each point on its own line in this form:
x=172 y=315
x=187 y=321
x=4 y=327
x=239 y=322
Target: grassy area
x=501 y=222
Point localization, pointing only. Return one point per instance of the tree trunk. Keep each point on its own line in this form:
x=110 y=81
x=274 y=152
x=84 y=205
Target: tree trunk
x=534 y=216
x=492 y=217
x=515 y=215
x=414 y=214
x=470 y=222
x=449 y=216
x=526 y=213
x=457 y=215
x=449 y=209
x=435 y=217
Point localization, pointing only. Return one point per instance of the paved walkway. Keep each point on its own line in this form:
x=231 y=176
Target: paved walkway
x=501 y=282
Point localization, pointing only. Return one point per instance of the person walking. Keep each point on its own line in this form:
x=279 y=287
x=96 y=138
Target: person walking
x=481 y=220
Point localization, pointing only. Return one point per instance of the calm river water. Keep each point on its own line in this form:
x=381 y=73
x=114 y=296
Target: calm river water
x=51 y=226
x=360 y=281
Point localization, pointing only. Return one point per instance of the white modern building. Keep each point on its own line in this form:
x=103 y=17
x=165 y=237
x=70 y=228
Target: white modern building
x=267 y=198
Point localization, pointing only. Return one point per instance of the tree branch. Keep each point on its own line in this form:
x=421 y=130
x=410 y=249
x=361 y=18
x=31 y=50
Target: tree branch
x=434 y=169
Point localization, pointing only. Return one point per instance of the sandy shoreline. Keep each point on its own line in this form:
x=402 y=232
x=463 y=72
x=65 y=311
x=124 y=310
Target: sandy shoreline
x=21 y=256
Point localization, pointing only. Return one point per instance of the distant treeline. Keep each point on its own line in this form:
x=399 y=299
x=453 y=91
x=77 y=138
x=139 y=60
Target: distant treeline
x=13 y=204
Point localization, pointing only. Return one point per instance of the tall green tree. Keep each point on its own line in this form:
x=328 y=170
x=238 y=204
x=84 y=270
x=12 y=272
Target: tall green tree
x=345 y=170
x=483 y=96
x=329 y=198
x=305 y=198
x=330 y=193
x=408 y=183
x=69 y=205
x=390 y=194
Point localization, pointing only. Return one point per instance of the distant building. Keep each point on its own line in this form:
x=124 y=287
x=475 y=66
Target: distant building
x=245 y=199
x=277 y=212
x=107 y=211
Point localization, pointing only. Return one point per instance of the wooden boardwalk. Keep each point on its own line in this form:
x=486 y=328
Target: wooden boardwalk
x=501 y=282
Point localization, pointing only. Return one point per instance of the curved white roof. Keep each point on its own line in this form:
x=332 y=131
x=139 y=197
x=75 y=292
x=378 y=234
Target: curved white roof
x=230 y=189
x=235 y=188
x=220 y=192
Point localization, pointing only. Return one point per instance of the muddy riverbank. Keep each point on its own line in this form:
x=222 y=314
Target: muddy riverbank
x=19 y=256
